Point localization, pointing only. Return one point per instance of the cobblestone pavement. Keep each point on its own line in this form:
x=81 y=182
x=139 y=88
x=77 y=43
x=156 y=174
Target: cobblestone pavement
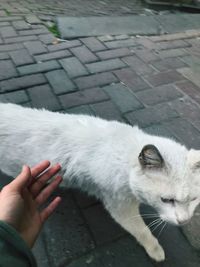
x=47 y=9
x=150 y=81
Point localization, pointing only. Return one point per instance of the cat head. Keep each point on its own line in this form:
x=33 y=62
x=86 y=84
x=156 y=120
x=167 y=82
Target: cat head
x=169 y=180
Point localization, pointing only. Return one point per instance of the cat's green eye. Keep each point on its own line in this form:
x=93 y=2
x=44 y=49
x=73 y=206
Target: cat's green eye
x=168 y=200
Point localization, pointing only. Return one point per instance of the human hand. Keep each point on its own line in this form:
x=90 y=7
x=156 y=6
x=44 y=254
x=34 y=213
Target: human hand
x=21 y=200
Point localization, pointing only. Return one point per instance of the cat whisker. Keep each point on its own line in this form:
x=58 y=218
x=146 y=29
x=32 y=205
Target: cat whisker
x=153 y=223
x=159 y=223
x=141 y=215
x=162 y=229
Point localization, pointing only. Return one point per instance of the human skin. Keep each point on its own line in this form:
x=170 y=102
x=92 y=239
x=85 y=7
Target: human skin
x=22 y=199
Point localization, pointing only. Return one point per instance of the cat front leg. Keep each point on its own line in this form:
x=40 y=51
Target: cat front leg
x=128 y=216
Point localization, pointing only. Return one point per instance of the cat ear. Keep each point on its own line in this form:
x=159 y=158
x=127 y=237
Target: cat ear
x=150 y=157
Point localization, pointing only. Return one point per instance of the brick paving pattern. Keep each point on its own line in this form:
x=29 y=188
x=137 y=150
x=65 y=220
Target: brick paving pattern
x=149 y=81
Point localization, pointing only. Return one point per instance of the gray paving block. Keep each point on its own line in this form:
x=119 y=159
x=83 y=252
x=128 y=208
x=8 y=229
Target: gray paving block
x=35 y=47
x=131 y=79
x=114 y=53
x=14 y=97
x=53 y=55
x=95 y=80
x=93 y=44
x=42 y=97
x=137 y=65
x=88 y=96
x=169 y=63
x=159 y=94
x=67 y=236
x=21 y=25
x=107 y=110
x=10 y=47
x=122 y=97
x=20 y=39
x=82 y=109
x=102 y=66
x=121 y=43
x=93 y=26
x=39 y=67
x=84 y=54
x=102 y=226
x=64 y=45
x=22 y=82
x=21 y=57
x=7 y=69
x=73 y=67
x=60 y=81
x=152 y=115
x=185 y=131
x=7 y=31
x=179 y=22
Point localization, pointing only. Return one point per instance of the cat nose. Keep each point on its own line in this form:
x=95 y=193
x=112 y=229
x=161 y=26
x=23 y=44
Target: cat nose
x=183 y=221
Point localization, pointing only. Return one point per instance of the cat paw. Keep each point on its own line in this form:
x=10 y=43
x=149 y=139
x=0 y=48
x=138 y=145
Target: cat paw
x=156 y=252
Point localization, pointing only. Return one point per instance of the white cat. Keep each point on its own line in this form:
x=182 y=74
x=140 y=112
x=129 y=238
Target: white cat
x=119 y=164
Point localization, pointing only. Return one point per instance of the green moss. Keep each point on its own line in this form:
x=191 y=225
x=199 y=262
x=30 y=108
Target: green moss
x=7 y=12
x=54 y=30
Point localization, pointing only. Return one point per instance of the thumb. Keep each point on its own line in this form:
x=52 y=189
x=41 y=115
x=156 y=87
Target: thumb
x=22 y=179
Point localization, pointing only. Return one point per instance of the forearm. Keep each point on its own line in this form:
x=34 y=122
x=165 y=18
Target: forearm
x=13 y=249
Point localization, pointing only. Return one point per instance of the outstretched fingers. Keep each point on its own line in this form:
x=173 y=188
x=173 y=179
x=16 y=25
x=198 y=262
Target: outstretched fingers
x=47 y=191
x=21 y=180
x=44 y=215
x=39 y=183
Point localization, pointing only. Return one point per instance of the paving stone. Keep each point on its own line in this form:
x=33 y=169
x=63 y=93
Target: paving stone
x=32 y=19
x=7 y=69
x=40 y=67
x=67 y=236
x=10 y=47
x=22 y=82
x=106 y=110
x=95 y=80
x=33 y=32
x=83 y=200
x=91 y=260
x=172 y=45
x=190 y=89
x=4 y=24
x=103 y=227
x=114 y=53
x=137 y=65
x=73 y=67
x=7 y=31
x=164 y=78
x=10 y=18
x=84 y=97
x=159 y=94
x=64 y=45
x=191 y=74
x=48 y=38
x=185 y=131
x=42 y=97
x=106 y=65
x=168 y=64
x=60 y=81
x=152 y=115
x=124 y=252
x=186 y=108
x=145 y=55
x=21 y=57
x=53 y=55
x=35 y=47
x=14 y=97
x=121 y=43
x=4 y=56
x=172 y=53
x=131 y=79
x=93 y=44
x=20 y=39
x=159 y=130
x=191 y=60
x=21 y=25
x=122 y=97
x=84 y=54
x=145 y=42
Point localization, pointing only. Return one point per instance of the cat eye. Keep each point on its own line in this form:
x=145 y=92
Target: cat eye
x=168 y=200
